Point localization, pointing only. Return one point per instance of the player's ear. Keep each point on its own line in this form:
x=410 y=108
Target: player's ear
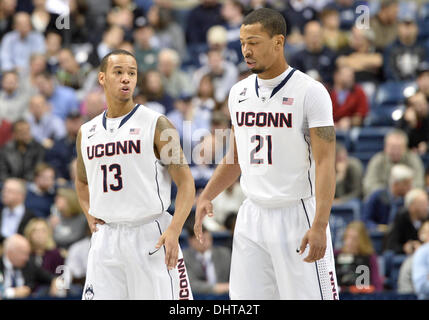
x=279 y=41
x=101 y=76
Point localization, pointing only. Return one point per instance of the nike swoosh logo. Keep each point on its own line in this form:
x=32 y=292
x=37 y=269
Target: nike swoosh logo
x=240 y=101
x=89 y=137
x=151 y=253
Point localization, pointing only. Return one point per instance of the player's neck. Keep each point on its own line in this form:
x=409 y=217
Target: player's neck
x=117 y=109
x=275 y=70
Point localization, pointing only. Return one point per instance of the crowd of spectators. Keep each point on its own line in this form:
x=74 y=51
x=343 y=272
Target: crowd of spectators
x=189 y=56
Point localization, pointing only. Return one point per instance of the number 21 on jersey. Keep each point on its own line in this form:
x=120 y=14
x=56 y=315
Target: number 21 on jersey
x=262 y=149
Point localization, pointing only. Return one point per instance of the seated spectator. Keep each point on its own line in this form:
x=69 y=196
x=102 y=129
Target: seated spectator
x=357 y=250
x=385 y=24
x=17 y=46
x=380 y=209
x=67 y=220
x=41 y=19
x=45 y=126
x=225 y=205
x=174 y=80
x=62 y=99
x=167 y=32
x=7 y=12
x=200 y=19
x=415 y=122
x=21 y=275
x=14 y=97
x=43 y=247
x=79 y=30
x=405 y=279
x=19 y=156
x=223 y=73
x=80 y=77
x=112 y=38
x=349 y=173
x=53 y=42
x=41 y=192
x=423 y=78
x=38 y=64
x=145 y=49
x=334 y=38
x=217 y=39
x=349 y=102
x=64 y=150
x=93 y=104
x=14 y=215
x=363 y=58
x=403 y=238
x=154 y=93
x=315 y=58
x=297 y=14
x=420 y=267
x=232 y=12
x=395 y=152
x=208 y=266
x=402 y=58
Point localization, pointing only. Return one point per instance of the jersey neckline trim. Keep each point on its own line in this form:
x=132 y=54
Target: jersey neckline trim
x=125 y=119
x=279 y=86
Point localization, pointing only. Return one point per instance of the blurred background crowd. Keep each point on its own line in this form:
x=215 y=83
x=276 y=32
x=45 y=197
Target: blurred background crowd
x=372 y=56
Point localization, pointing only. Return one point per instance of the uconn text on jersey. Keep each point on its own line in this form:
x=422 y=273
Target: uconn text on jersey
x=264 y=119
x=113 y=148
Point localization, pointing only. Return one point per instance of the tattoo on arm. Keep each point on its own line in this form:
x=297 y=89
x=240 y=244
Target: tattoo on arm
x=326 y=133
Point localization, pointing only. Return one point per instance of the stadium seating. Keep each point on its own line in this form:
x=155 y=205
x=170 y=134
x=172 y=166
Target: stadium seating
x=392 y=264
x=341 y=216
x=370 y=139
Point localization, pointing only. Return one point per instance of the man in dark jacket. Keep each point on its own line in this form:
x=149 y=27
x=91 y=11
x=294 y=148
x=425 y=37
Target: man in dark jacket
x=19 y=157
x=403 y=238
x=20 y=273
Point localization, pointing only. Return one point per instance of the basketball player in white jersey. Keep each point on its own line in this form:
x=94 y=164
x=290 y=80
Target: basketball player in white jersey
x=283 y=146
x=127 y=157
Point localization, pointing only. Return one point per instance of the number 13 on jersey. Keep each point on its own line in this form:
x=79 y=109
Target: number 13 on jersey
x=262 y=151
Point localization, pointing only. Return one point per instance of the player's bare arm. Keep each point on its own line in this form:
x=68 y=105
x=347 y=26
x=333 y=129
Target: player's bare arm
x=323 y=146
x=168 y=150
x=82 y=190
x=226 y=173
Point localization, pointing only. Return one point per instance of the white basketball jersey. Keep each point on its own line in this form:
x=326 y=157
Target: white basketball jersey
x=273 y=139
x=127 y=183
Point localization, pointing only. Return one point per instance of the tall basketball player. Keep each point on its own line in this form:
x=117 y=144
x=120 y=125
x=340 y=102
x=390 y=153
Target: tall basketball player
x=127 y=157
x=283 y=145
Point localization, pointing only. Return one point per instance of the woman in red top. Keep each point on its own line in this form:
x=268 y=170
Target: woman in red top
x=349 y=101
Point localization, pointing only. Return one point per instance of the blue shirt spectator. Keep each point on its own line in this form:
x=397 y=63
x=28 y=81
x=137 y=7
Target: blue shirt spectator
x=41 y=192
x=17 y=46
x=348 y=11
x=420 y=271
x=62 y=99
x=45 y=126
x=382 y=205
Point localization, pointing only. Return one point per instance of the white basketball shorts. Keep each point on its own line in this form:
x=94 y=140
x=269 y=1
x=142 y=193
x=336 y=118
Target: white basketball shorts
x=124 y=264
x=265 y=262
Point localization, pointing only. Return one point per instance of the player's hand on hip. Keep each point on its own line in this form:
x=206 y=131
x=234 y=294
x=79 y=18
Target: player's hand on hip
x=170 y=240
x=316 y=239
x=92 y=222
x=204 y=207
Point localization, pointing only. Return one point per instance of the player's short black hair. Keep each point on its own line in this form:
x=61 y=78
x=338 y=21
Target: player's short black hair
x=271 y=20
x=105 y=60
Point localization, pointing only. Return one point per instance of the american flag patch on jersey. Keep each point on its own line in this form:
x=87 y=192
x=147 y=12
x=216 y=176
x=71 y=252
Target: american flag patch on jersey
x=287 y=101
x=134 y=130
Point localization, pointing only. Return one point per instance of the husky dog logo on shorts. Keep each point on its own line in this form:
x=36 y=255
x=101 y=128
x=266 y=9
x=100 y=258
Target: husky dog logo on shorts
x=89 y=292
